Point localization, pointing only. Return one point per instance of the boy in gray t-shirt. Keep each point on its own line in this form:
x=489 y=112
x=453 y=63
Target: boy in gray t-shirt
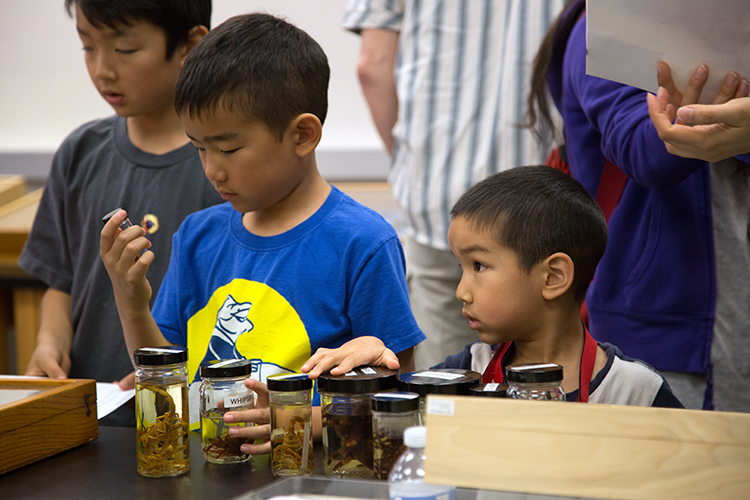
x=139 y=159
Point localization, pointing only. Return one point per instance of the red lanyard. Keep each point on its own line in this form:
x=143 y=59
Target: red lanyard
x=494 y=371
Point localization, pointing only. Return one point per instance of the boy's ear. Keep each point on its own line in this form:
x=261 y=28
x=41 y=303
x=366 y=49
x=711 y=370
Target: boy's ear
x=195 y=35
x=307 y=131
x=559 y=272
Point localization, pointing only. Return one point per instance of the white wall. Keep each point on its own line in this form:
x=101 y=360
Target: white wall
x=45 y=91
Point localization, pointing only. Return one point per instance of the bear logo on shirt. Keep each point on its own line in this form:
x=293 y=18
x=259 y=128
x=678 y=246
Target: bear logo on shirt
x=231 y=322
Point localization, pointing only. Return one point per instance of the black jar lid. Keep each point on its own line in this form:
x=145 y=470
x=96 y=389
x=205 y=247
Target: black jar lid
x=439 y=381
x=157 y=356
x=361 y=380
x=226 y=368
x=289 y=382
x=492 y=390
x=394 y=402
x=534 y=373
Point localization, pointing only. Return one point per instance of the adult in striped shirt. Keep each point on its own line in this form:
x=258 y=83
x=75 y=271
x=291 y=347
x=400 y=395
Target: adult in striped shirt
x=445 y=81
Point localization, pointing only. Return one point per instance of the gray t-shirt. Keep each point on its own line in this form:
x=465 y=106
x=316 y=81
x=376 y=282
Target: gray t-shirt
x=730 y=346
x=95 y=170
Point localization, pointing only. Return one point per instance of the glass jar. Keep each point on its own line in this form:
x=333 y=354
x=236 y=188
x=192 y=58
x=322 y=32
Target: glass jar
x=347 y=420
x=222 y=390
x=161 y=411
x=447 y=381
x=492 y=390
x=537 y=382
x=290 y=402
x=392 y=414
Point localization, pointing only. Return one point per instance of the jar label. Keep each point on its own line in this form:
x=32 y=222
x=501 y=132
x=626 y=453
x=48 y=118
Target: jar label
x=437 y=374
x=235 y=400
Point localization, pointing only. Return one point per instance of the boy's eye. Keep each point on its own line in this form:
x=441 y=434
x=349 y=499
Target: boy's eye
x=230 y=151
x=478 y=266
x=126 y=51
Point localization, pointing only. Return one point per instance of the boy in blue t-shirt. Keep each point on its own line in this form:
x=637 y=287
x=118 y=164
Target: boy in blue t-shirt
x=528 y=241
x=290 y=264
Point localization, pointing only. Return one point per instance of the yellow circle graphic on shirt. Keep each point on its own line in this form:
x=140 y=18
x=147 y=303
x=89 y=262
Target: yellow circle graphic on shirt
x=150 y=223
x=248 y=319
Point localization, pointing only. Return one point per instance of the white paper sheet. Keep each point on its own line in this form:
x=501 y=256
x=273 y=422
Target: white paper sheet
x=110 y=397
x=626 y=39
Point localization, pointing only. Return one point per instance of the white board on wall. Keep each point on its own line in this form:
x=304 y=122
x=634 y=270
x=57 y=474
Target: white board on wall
x=45 y=91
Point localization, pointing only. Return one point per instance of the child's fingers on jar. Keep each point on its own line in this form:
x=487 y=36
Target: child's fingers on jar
x=251 y=432
x=256 y=449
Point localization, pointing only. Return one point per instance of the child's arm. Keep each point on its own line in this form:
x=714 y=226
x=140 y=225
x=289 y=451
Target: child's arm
x=119 y=251
x=51 y=357
x=357 y=352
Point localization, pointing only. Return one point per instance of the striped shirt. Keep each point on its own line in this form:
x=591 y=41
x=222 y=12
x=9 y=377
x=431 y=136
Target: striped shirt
x=462 y=75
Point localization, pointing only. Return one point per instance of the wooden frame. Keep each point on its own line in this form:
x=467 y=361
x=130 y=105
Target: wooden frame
x=587 y=450
x=60 y=415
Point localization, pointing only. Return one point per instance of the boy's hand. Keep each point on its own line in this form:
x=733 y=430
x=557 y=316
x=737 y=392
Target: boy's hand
x=127 y=382
x=260 y=415
x=357 y=352
x=119 y=251
x=48 y=360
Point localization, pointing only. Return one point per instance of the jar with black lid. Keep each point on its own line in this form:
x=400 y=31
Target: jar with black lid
x=447 y=381
x=223 y=390
x=392 y=414
x=290 y=403
x=491 y=390
x=535 y=381
x=347 y=419
x=161 y=411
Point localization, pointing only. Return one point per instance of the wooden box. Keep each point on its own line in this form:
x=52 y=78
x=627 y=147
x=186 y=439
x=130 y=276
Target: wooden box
x=582 y=450
x=41 y=417
x=12 y=187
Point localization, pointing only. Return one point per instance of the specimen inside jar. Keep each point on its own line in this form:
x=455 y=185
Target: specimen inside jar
x=218 y=446
x=349 y=442
x=288 y=446
x=163 y=435
x=386 y=451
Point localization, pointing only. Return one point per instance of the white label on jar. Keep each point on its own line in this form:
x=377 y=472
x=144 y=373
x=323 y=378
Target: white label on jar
x=235 y=400
x=225 y=363
x=369 y=371
x=159 y=350
x=535 y=367
x=445 y=407
x=351 y=374
x=436 y=374
x=491 y=386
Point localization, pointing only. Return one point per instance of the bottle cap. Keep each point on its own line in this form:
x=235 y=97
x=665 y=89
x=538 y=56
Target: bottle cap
x=361 y=380
x=439 y=381
x=394 y=402
x=225 y=368
x=156 y=356
x=415 y=437
x=289 y=382
x=492 y=390
x=534 y=373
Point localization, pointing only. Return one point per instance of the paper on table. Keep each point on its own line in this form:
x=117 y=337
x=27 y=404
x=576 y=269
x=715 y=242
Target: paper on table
x=626 y=39
x=110 y=397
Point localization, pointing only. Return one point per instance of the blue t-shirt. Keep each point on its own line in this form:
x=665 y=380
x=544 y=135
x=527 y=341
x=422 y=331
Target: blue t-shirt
x=231 y=294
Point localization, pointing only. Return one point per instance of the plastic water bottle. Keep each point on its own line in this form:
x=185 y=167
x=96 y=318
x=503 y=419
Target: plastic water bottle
x=407 y=476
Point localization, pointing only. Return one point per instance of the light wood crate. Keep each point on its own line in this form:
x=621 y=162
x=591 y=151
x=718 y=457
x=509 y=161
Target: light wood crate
x=587 y=450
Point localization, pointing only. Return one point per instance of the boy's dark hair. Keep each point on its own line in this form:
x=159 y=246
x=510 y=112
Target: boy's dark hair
x=175 y=17
x=536 y=211
x=259 y=66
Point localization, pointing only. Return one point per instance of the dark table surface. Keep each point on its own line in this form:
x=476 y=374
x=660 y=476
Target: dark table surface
x=106 y=468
